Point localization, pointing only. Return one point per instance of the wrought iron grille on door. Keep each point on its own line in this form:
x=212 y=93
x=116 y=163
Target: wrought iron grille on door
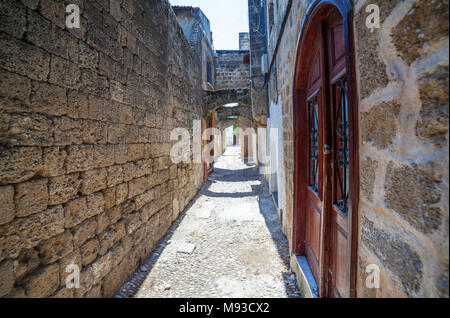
x=341 y=158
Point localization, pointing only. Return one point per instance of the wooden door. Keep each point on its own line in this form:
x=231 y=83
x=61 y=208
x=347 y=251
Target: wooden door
x=326 y=186
x=314 y=193
x=339 y=224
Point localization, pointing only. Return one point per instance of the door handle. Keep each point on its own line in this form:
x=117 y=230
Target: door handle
x=326 y=149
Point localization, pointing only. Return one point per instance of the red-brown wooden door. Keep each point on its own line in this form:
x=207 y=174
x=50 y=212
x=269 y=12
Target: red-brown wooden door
x=314 y=192
x=339 y=223
x=328 y=180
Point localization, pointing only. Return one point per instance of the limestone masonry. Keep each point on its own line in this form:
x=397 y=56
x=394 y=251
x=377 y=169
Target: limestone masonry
x=85 y=120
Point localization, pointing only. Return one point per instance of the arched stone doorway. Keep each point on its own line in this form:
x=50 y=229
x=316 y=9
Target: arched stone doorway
x=326 y=176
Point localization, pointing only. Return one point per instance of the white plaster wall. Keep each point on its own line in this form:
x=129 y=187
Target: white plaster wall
x=276 y=151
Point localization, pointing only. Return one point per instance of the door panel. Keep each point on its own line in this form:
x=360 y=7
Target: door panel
x=314 y=204
x=338 y=281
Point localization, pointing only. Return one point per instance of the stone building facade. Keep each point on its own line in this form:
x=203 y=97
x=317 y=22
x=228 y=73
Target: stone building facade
x=231 y=70
x=196 y=28
x=401 y=104
x=85 y=172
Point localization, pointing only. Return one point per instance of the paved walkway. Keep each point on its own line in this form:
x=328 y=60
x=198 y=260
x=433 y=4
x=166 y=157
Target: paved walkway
x=228 y=243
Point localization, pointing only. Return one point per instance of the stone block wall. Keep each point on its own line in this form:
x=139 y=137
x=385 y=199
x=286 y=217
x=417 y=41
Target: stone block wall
x=244 y=41
x=402 y=71
x=231 y=71
x=258 y=85
x=85 y=118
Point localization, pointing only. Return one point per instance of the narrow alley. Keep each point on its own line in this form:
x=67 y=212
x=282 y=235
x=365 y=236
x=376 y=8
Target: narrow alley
x=228 y=243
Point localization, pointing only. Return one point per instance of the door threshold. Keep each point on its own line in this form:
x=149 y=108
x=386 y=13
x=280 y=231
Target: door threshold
x=305 y=277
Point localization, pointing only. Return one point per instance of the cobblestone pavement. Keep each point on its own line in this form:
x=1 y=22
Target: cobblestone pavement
x=227 y=243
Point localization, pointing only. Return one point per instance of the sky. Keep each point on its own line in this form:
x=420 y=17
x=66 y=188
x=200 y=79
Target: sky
x=227 y=18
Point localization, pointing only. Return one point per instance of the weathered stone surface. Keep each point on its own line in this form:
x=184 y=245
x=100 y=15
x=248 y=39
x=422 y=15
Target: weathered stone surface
x=84 y=231
x=379 y=125
x=82 y=208
x=103 y=222
x=30 y=130
x=67 y=131
x=93 y=274
x=56 y=247
x=6 y=277
x=96 y=204
x=97 y=108
x=32 y=4
x=92 y=83
x=442 y=282
x=412 y=192
x=110 y=197
x=137 y=186
x=24 y=59
x=111 y=283
x=368 y=175
x=28 y=232
x=27 y=261
x=89 y=251
x=88 y=57
x=111 y=236
x=78 y=104
x=120 y=154
x=121 y=193
x=114 y=214
x=48 y=99
x=426 y=21
x=77 y=109
x=64 y=188
x=64 y=73
x=371 y=67
x=114 y=176
x=75 y=212
x=95 y=133
x=15 y=91
x=13 y=19
x=19 y=164
x=7 y=208
x=31 y=197
x=54 y=11
x=103 y=156
x=53 y=162
x=93 y=181
x=44 y=282
x=133 y=222
x=395 y=254
x=79 y=158
x=43 y=34
x=433 y=121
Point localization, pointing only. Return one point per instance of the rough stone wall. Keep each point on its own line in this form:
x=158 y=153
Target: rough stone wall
x=231 y=71
x=244 y=41
x=256 y=51
x=402 y=73
x=85 y=172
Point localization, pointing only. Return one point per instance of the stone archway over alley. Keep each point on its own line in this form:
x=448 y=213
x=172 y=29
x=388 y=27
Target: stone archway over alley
x=228 y=243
